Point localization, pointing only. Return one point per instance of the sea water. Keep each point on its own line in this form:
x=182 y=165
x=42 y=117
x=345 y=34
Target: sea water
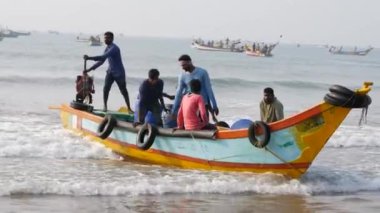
x=45 y=168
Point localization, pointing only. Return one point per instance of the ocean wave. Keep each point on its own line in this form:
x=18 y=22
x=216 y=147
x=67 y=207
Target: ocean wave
x=135 y=182
x=35 y=136
x=355 y=136
x=218 y=82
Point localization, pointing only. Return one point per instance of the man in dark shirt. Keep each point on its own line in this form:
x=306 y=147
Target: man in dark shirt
x=151 y=97
x=115 y=71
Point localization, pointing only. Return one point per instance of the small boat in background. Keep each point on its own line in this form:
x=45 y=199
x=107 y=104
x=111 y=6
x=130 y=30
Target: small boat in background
x=263 y=50
x=8 y=34
x=95 y=41
x=218 y=46
x=53 y=32
x=82 y=39
x=21 y=33
x=339 y=51
x=257 y=53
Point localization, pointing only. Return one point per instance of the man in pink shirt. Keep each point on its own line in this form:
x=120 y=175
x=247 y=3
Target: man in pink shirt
x=192 y=114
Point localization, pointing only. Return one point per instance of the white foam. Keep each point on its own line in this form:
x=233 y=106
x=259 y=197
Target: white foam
x=34 y=136
x=355 y=136
x=191 y=182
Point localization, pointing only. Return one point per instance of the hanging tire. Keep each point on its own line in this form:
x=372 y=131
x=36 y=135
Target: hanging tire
x=259 y=143
x=355 y=101
x=341 y=90
x=146 y=136
x=338 y=99
x=106 y=126
x=222 y=124
x=81 y=106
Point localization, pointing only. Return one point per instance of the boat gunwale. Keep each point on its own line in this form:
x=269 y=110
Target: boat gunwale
x=218 y=134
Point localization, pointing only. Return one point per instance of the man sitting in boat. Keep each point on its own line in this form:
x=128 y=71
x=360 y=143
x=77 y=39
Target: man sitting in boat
x=84 y=87
x=271 y=109
x=192 y=114
x=192 y=72
x=151 y=98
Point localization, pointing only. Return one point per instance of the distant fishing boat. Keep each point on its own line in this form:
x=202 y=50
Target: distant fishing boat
x=53 y=32
x=8 y=34
x=218 y=46
x=339 y=51
x=21 y=33
x=260 y=51
x=81 y=39
x=287 y=147
x=257 y=53
x=95 y=41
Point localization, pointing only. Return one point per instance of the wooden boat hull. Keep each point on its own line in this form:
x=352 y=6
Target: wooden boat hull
x=257 y=54
x=294 y=142
x=206 y=48
x=358 y=53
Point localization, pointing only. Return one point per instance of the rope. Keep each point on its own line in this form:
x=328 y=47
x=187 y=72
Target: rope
x=363 y=117
x=204 y=151
x=283 y=160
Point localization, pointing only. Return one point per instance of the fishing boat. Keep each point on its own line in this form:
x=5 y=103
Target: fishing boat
x=197 y=46
x=257 y=53
x=8 y=34
x=286 y=147
x=338 y=51
x=95 y=42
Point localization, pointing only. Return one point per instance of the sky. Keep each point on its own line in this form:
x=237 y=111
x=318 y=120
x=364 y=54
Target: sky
x=335 y=22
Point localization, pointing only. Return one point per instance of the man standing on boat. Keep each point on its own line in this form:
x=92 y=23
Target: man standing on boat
x=193 y=72
x=115 y=71
x=271 y=109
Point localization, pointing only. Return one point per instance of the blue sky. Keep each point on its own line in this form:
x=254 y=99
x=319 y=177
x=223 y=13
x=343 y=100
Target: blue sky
x=340 y=22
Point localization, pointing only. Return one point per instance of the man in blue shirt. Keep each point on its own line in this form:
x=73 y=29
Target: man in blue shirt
x=115 y=71
x=151 y=98
x=192 y=72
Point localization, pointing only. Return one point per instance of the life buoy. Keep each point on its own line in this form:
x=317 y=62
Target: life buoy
x=263 y=140
x=146 y=136
x=106 y=126
x=341 y=90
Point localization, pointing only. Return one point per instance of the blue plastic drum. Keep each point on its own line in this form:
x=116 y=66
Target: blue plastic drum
x=241 y=124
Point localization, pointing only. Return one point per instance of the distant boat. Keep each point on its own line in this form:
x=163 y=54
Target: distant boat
x=95 y=41
x=81 y=39
x=21 y=33
x=339 y=51
x=265 y=51
x=232 y=48
x=257 y=53
x=8 y=34
x=53 y=32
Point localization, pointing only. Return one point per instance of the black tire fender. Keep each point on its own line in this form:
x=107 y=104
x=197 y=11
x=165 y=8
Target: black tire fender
x=81 y=106
x=106 y=126
x=257 y=142
x=337 y=99
x=146 y=136
x=222 y=124
x=341 y=90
